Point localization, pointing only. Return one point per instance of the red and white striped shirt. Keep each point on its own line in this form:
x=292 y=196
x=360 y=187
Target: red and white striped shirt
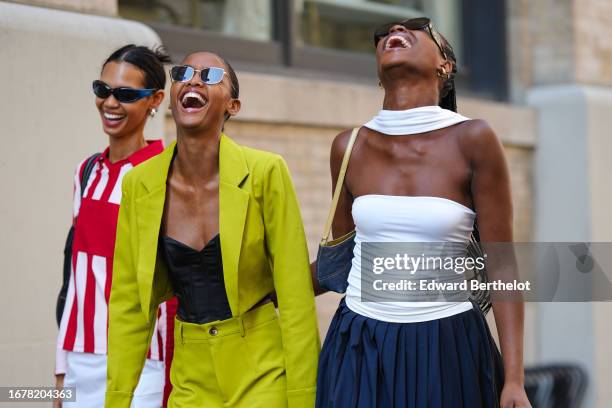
x=84 y=323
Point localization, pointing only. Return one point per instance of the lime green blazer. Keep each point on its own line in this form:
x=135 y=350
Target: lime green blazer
x=264 y=250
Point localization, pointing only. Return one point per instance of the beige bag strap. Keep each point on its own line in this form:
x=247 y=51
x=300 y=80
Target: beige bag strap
x=339 y=184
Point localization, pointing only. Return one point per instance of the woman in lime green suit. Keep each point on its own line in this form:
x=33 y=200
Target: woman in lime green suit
x=237 y=204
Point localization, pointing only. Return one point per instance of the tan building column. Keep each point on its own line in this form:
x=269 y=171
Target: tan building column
x=569 y=73
x=101 y=7
x=48 y=124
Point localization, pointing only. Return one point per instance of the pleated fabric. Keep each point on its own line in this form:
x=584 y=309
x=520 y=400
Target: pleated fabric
x=445 y=363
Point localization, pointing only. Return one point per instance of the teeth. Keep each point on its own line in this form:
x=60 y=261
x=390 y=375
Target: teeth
x=404 y=42
x=112 y=116
x=193 y=95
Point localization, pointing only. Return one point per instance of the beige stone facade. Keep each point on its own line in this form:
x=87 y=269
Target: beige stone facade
x=593 y=28
x=559 y=41
x=551 y=43
x=101 y=7
x=48 y=124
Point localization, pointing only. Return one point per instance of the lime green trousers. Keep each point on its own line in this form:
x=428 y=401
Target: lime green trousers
x=236 y=363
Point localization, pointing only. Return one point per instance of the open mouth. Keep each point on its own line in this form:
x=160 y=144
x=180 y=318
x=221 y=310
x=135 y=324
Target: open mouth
x=113 y=117
x=397 y=42
x=192 y=101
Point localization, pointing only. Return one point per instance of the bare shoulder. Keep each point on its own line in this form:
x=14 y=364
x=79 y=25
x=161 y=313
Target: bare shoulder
x=478 y=139
x=339 y=145
x=477 y=131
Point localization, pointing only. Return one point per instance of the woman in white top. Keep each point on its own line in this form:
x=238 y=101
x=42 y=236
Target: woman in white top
x=419 y=174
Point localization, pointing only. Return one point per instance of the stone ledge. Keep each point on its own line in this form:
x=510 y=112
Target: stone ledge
x=79 y=27
x=101 y=7
x=323 y=103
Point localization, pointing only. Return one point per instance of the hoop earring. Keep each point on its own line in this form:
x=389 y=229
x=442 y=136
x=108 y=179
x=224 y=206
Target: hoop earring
x=153 y=112
x=380 y=85
x=443 y=75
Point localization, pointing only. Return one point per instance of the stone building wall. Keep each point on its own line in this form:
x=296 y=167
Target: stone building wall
x=100 y=7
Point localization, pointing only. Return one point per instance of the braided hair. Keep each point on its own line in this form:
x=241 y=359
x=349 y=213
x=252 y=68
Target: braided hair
x=448 y=94
x=448 y=100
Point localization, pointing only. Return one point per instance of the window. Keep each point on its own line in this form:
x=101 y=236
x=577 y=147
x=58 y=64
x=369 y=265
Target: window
x=250 y=20
x=330 y=37
x=239 y=30
x=348 y=24
x=336 y=35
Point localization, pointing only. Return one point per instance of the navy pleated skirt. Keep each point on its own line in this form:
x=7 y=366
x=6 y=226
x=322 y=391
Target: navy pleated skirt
x=445 y=363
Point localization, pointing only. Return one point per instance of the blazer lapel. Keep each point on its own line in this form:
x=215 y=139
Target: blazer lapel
x=233 y=206
x=149 y=211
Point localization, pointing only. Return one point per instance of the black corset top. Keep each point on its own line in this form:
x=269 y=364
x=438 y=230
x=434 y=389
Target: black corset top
x=197 y=278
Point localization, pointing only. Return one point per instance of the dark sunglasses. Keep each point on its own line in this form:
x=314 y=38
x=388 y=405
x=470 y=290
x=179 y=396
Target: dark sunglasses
x=421 y=23
x=122 y=94
x=184 y=73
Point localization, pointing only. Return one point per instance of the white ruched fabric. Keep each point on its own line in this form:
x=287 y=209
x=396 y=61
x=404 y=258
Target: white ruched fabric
x=396 y=220
x=414 y=121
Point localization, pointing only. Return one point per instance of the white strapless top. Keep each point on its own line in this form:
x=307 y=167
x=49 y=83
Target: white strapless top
x=384 y=218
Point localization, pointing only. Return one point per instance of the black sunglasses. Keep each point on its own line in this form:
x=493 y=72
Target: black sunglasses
x=421 y=23
x=123 y=94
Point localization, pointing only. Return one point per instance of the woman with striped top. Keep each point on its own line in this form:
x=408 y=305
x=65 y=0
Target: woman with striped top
x=128 y=93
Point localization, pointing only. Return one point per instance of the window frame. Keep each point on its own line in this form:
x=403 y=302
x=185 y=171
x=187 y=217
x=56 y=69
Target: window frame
x=284 y=53
x=180 y=41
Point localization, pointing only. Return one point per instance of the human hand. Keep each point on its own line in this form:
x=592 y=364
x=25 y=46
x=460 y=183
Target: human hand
x=59 y=384
x=514 y=396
